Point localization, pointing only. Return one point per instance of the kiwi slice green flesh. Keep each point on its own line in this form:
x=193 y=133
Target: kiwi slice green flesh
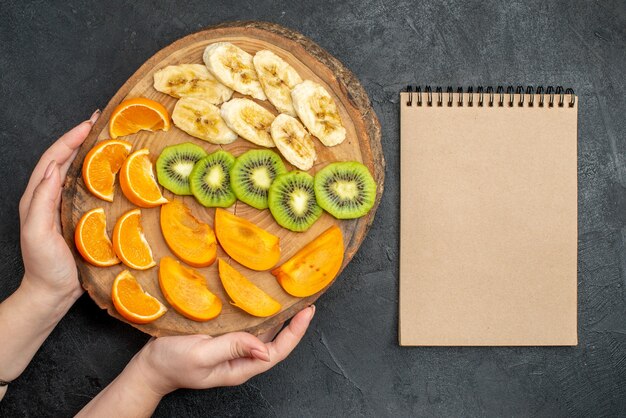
x=253 y=173
x=210 y=180
x=346 y=190
x=175 y=164
x=292 y=201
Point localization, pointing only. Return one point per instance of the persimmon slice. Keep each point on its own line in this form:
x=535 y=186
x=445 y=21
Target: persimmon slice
x=132 y=302
x=186 y=290
x=313 y=267
x=245 y=294
x=189 y=239
x=245 y=242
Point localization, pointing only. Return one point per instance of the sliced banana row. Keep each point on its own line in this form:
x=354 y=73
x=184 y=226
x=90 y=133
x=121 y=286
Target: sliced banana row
x=229 y=68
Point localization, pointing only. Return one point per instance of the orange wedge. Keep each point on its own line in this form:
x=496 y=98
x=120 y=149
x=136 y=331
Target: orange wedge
x=134 y=115
x=129 y=242
x=132 y=302
x=138 y=182
x=101 y=164
x=186 y=290
x=92 y=240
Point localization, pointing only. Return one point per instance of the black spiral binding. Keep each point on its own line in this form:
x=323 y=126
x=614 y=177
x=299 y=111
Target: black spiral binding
x=526 y=95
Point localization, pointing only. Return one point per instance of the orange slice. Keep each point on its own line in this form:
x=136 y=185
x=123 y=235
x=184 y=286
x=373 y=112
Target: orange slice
x=189 y=239
x=132 y=302
x=138 y=182
x=134 y=115
x=129 y=242
x=245 y=294
x=101 y=164
x=92 y=240
x=186 y=290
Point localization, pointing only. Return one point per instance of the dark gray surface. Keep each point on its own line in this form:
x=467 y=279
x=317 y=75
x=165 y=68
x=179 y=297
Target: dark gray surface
x=59 y=63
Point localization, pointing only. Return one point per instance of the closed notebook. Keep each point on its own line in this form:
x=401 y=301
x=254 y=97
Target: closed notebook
x=488 y=218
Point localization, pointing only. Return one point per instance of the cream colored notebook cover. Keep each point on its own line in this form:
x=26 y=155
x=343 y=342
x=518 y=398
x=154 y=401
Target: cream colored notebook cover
x=488 y=239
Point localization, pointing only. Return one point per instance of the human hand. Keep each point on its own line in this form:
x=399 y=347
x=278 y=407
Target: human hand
x=49 y=265
x=201 y=362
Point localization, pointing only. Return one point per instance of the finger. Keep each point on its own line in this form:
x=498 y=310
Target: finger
x=289 y=337
x=43 y=207
x=233 y=346
x=61 y=151
x=279 y=349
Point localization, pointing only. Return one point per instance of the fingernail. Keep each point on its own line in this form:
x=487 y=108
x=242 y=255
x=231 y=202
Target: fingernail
x=265 y=356
x=312 y=311
x=94 y=117
x=49 y=169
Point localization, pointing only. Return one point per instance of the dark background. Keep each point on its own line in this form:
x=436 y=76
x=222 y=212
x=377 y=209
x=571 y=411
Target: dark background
x=59 y=62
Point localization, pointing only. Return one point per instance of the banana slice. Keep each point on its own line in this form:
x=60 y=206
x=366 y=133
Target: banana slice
x=249 y=120
x=233 y=67
x=293 y=141
x=318 y=112
x=277 y=79
x=191 y=80
x=202 y=119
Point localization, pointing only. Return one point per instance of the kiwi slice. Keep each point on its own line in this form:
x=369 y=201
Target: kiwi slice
x=252 y=175
x=175 y=164
x=210 y=180
x=292 y=201
x=346 y=190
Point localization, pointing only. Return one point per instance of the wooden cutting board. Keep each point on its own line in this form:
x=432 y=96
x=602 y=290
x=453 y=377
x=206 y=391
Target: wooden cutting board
x=362 y=144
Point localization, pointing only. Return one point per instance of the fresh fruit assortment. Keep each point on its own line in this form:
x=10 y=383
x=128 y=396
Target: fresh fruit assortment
x=206 y=110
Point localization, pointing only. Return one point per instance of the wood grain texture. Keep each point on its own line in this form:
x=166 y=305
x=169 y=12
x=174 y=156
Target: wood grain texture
x=363 y=143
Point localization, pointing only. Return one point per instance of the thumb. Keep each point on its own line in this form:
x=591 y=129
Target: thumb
x=233 y=346
x=43 y=207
